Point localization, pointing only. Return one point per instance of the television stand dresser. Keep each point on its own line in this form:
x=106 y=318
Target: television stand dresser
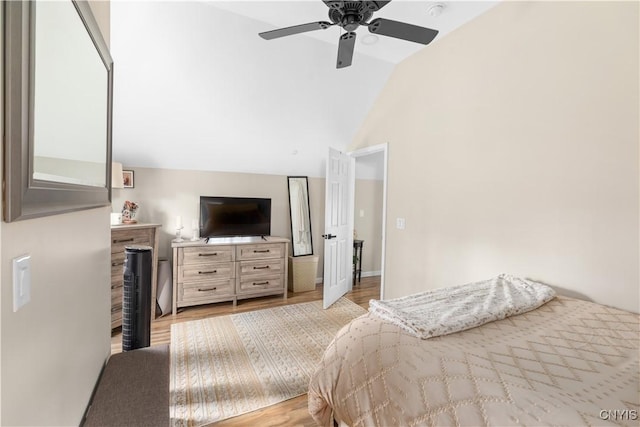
x=228 y=269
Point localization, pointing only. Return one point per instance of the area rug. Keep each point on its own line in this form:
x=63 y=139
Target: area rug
x=230 y=365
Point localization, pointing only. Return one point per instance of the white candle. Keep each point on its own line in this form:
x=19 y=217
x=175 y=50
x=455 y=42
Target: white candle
x=194 y=224
x=178 y=221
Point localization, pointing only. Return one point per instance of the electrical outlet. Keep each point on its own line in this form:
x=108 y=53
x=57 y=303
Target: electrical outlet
x=400 y=223
x=361 y=213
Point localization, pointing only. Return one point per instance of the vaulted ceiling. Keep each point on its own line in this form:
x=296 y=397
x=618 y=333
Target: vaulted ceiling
x=196 y=88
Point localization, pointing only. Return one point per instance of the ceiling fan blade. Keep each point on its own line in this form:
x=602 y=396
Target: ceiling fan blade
x=296 y=29
x=345 y=49
x=402 y=30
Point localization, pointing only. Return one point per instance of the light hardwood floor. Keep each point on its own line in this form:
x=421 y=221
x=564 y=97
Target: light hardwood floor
x=292 y=412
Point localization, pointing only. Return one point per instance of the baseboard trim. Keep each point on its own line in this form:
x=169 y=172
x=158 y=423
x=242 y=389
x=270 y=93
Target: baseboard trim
x=371 y=273
x=364 y=274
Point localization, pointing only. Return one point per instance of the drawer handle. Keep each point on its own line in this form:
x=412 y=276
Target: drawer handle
x=213 y=254
x=260 y=283
x=261 y=268
x=208 y=272
x=123 y=240
x=207 y=289
x=261 y=251
x=115 y=264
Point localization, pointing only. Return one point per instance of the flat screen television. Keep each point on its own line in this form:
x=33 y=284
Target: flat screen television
x=234 y=216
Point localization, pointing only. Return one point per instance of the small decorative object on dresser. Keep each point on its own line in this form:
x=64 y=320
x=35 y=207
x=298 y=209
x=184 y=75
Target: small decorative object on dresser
x=179 y=228
x=228 y=270
x=195 y=231
x=129 y=211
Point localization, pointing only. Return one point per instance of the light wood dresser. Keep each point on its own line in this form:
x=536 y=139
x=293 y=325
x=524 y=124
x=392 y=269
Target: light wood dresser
x=122 y=236
x=228 y=270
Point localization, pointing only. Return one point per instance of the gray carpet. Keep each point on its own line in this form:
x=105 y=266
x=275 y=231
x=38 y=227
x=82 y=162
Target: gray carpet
x=133 y=390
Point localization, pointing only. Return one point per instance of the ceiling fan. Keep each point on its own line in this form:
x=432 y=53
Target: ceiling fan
x=350 y=15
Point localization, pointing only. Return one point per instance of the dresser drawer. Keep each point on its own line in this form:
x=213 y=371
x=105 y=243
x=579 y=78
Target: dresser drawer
x=122 y=238
x=271 y=282
x=260 y=268
x=206 y=254
x=199 y=291
x=116 y=318
x=261 y=251
x=116 y=284
x=117 y=265
x=117 y=276
x=116 y=298
x=208 y=271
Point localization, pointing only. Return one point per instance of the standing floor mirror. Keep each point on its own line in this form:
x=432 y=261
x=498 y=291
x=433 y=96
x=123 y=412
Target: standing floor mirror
x=301 y=240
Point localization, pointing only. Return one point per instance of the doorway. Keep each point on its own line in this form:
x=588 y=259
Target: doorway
x=370 y=206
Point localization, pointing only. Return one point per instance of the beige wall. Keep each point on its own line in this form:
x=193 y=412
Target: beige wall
x=368 y=201
x=513 y=147
x=163 y=194
x=53 y=348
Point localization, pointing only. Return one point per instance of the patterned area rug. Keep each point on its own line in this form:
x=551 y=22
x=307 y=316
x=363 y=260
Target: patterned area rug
x=229 y=365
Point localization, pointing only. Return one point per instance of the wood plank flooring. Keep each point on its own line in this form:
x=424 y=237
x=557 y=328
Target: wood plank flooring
x=292 y=412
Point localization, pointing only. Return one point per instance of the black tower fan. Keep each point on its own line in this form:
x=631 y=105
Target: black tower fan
x=136 y=304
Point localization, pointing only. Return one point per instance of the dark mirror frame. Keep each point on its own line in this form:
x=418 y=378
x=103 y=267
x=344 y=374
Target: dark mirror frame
x=307 y=218
x=25 y=197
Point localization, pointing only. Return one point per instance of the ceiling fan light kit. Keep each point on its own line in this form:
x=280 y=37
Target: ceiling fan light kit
x=369 y=39
x=436 y=10
x=350 y=15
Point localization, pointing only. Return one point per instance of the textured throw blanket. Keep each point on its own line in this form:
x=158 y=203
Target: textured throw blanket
x=448 y=310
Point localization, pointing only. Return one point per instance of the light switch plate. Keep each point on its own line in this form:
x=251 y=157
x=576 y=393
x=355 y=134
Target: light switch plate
x=400 y=223
x=21 y=281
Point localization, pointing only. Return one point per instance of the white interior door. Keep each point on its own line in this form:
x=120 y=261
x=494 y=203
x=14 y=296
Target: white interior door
x=338 y=223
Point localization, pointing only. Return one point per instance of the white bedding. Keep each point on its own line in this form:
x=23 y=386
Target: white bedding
x=448 y=310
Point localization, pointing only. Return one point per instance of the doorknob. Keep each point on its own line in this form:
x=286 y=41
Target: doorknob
x=329 y=236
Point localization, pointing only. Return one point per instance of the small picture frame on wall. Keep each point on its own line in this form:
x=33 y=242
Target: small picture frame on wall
x=127 y=178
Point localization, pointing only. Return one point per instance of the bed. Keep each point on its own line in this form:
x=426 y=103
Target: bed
x=567 y=362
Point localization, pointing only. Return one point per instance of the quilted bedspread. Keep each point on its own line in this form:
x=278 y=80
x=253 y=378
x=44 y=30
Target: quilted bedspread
x=568 y=362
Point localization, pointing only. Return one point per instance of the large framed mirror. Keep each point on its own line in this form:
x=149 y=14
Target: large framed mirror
x=301 y=237
x=58 y=84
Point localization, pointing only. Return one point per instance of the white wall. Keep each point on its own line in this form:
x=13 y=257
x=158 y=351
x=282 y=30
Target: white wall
x=513 y=147
x=52 y=349
x=197 y=88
